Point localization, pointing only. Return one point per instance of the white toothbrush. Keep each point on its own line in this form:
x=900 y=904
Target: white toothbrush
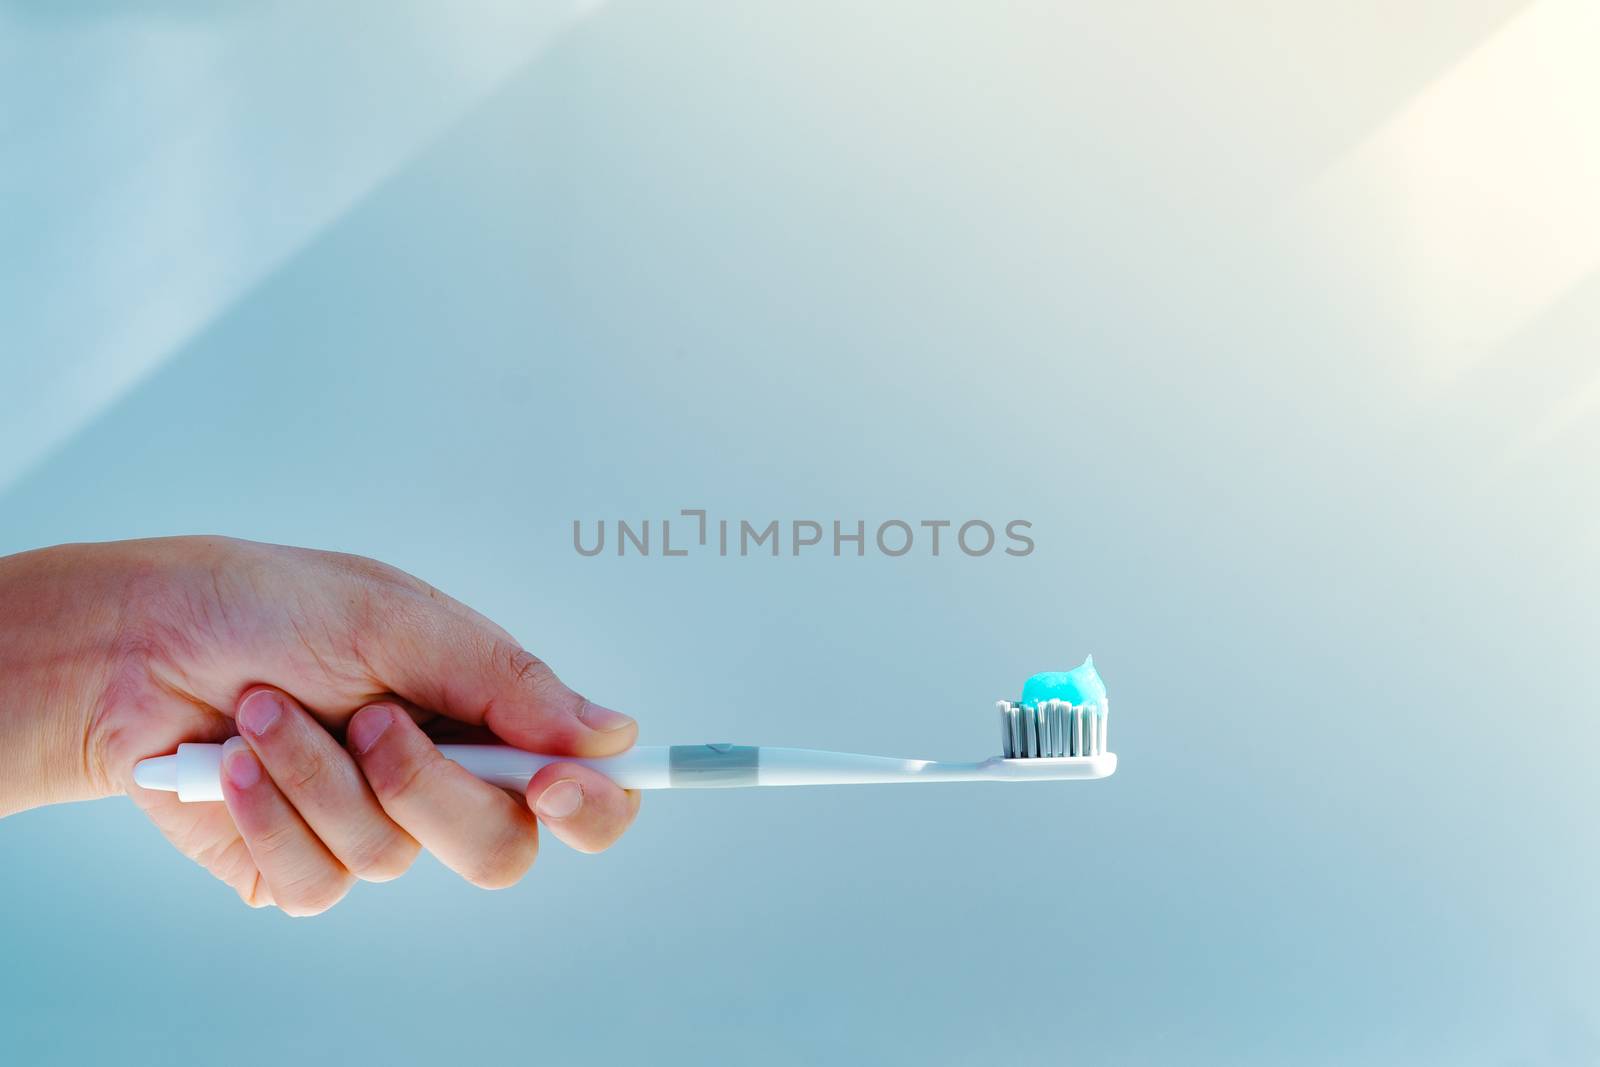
x=1051 y=742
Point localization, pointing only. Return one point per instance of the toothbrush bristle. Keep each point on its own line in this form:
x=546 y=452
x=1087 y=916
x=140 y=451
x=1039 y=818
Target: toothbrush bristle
x=1053 y=729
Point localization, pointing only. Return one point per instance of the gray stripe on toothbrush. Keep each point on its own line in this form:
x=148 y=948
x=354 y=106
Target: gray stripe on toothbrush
x=712 y=766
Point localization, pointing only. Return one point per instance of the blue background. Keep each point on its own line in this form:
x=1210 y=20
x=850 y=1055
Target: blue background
x=1314 y=484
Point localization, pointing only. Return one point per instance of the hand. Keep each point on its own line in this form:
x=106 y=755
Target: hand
x=115 y=652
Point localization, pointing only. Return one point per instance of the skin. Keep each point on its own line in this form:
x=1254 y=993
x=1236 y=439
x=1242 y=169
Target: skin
x=330 y=678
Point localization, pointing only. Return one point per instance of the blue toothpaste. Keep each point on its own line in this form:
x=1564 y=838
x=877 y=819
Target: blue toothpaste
x=1081 y=685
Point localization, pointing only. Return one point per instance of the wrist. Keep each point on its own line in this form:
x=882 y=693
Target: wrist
x=59 y=626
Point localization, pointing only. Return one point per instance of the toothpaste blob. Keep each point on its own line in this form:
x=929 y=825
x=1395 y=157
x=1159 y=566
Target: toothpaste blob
x=1079 y=686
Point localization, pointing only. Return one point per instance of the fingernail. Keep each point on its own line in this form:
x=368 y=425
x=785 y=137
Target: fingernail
x=259 y=711
x=560 y=801
x=601 y=718
x=368 y=725
x=240 y=764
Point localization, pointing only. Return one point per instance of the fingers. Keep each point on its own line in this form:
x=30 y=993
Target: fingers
x=303 y=876
x=320 y=779
x=206 y=834
x=477 y=830
x=582 y=807
x=313 y=814
x=430 y=651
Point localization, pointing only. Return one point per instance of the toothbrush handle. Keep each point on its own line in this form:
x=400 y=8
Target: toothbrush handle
x=643 y=767
x=718 y=766
x=194 y=772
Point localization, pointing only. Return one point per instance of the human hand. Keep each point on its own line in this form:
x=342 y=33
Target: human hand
x=115 y=652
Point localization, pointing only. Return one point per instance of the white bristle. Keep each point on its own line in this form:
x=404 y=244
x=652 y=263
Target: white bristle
x=1053 y=729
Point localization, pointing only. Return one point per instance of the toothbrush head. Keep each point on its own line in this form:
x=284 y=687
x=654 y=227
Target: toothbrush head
x=1062 y=714
x=1053 y=729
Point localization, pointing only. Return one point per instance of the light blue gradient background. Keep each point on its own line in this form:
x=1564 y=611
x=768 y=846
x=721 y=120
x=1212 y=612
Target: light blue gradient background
x=427 y=287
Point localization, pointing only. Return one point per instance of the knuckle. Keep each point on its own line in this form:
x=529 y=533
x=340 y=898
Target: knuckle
x=271 y=842
x=406 y=779
x=383 y=860
x=312 y=896
x=306 y=769
x=372 y=570
x=503 y=863
x=254 y=892
x=304 y=910
x=529 y=670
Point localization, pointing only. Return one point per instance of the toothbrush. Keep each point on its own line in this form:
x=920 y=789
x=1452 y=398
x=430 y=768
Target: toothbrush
x=1042 y=740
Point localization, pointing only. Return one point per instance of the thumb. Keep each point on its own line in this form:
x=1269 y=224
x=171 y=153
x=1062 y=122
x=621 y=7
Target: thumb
x=442 y=656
